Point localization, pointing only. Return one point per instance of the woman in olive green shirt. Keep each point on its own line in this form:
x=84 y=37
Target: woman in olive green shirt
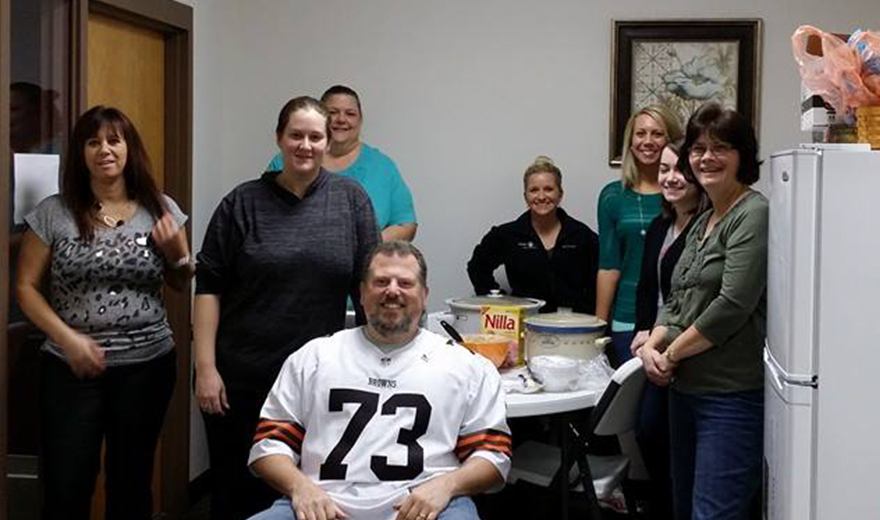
x=708 y=340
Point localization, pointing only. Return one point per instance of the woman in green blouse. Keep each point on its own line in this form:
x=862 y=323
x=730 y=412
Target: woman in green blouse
x=708 y=340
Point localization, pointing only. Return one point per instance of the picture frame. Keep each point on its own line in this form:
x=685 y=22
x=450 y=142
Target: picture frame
x=682 y=64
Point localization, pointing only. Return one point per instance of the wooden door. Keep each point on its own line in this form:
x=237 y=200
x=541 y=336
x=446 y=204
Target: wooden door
x=126 y=70
x=137 y=55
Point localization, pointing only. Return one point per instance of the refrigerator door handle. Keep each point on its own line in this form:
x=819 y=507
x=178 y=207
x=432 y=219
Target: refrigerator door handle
x=796 y=380
x=808 y=380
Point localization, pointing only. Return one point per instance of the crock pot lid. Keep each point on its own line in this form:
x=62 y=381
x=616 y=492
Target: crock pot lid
x=476 y=302
x=567 y=320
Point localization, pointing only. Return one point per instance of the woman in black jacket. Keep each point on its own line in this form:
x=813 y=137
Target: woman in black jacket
x=664 y=242
x=546 y=253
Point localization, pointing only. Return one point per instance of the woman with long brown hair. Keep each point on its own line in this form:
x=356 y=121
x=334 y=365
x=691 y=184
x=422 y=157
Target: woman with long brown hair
x=107 y=244
x=683 y=200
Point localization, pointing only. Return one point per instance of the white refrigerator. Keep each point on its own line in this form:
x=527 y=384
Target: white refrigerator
x=822 y=356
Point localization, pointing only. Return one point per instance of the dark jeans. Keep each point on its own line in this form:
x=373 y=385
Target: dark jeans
x=618 y=351
x=652 y=434
x=236 y=493
x=717 y=452
x=125 y=407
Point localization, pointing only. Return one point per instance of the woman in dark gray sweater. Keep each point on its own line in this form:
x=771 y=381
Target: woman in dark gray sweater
x=710 y=333
x=280 y=256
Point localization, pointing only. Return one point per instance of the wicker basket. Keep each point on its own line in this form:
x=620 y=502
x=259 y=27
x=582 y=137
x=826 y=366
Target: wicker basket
x=869 y=125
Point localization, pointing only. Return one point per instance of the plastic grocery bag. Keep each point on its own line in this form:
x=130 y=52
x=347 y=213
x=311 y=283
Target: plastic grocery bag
x=565 y=374
x=867 y=47
x=836 y=74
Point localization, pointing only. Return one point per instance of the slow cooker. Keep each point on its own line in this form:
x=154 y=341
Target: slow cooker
x=565 y=333
x=464 y=313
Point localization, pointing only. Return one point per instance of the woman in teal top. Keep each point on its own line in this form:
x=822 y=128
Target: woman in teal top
x=626 y=209
x=373 y=170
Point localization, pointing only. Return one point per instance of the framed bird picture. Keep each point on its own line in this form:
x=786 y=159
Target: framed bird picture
x=682 y=64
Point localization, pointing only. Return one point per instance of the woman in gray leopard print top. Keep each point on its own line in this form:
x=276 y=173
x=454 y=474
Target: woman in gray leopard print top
x=107 y=243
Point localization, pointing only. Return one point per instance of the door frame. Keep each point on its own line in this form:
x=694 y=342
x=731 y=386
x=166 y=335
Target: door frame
x=5 y=203
x=175 y=21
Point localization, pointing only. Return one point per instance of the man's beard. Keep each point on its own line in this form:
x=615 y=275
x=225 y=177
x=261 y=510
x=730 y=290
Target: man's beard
x=389 y=327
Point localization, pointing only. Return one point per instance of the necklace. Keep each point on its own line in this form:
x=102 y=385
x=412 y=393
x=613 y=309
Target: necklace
x=642 y=230
x=110 y=220
x=637 y=191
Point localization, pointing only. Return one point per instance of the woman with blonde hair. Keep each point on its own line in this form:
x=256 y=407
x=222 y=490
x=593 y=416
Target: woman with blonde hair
x=546 y=253
x=626 y=209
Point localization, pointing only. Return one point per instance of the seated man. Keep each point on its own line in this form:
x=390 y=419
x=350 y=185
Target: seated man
x=383 y=421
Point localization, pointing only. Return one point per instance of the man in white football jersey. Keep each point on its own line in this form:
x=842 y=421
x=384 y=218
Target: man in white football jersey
x=385 y=421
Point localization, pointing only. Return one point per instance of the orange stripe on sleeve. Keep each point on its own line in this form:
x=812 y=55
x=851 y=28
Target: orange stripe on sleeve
x=289 y=433
x=463 y=439
x=488 y=440
x=483 y=436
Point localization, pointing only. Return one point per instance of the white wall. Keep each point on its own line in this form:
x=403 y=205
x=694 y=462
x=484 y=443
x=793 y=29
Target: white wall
x=463 y=94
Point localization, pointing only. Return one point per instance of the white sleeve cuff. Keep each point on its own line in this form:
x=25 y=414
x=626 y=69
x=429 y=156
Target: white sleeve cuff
x=501 y=463
x=267 y=447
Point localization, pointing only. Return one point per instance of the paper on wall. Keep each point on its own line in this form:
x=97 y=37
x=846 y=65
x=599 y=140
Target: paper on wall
x=36 y=177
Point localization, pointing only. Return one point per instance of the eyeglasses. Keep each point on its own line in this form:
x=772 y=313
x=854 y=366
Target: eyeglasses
x=717 y=150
